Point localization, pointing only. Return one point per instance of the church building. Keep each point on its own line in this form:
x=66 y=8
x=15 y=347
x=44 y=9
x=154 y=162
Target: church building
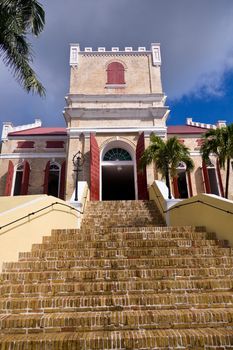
x=115 y=102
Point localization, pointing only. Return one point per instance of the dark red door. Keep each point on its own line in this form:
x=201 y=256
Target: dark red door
x=219 y=178
x=206 y=178
x=175 y=187
x=94 y=169
x=141 y=174
x=9 y=179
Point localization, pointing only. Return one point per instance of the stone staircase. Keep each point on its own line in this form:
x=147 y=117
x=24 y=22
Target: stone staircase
x=123 y=281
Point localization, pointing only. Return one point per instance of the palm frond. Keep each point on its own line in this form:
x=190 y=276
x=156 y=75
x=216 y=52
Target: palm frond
x=17 y=19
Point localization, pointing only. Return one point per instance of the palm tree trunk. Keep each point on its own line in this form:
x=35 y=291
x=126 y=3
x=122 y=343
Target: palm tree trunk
x=227 y=177
x=168 y=184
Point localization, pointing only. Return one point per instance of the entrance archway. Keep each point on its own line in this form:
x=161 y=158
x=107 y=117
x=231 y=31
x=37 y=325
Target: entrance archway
x=117 y=172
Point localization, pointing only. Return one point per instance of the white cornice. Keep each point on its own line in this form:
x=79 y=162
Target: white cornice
x=113 y=113
x=32 y=155
x=116 y=98
x=75 y=132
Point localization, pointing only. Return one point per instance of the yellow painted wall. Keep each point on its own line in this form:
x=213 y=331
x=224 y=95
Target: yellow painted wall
x=20 y=236
x=213 y=212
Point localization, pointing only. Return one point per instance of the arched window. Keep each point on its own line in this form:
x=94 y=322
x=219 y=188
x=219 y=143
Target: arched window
x=21 y=183
x=115 y=73
x=54 y=180
x=213 y=179
x=18 y=179
x=117 y=154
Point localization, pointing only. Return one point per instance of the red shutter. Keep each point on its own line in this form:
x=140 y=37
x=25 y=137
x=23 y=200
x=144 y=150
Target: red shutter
x=25 y=179
x=46 y=178
x=94 y=169
x=175 y=187
x=219 y=178
x=190 y=184
x=141 y=174
x=116 y=73
x=25 y=144
x=54 y=144
x=9 y=179
x=200 y=142
x=62 y=180
x=206 y=178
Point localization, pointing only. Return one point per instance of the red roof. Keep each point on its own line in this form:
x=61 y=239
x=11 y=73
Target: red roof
x=40 y=132
x=171 y=129
x=185 y=129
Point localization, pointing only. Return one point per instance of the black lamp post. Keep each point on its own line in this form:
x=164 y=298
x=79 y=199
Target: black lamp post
x=78 y=160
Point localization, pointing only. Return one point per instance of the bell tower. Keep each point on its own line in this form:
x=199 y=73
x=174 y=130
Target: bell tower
x=115 y=101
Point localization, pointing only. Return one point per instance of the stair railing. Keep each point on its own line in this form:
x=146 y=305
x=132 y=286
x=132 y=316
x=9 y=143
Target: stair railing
x=38 y=211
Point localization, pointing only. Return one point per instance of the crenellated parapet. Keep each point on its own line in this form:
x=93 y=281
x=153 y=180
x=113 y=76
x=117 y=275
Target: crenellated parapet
x=154 y=51
x=219 y=124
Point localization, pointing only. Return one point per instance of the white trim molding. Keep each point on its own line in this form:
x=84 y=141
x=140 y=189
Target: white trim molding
x=76 y=132
x=155 y=97
x=32 y=155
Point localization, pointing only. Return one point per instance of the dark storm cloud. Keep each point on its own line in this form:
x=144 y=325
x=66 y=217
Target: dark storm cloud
x=195 y=36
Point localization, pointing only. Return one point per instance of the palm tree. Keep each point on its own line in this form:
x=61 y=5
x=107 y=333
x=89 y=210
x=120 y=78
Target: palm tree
x=220 y=143
x=18 y=20
x=167 y=155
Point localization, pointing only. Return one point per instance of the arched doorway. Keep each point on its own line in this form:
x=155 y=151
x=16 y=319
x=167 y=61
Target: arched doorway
x=117 y=173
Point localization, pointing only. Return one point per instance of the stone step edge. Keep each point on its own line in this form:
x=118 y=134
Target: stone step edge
x=194 y=250
x=189 y=228
x=133 y=258
x=127 y=295
x=139 y=278
x=161 y=339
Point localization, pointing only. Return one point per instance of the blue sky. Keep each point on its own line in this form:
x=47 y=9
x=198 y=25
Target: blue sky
x=206 y=108
x=197 y=53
